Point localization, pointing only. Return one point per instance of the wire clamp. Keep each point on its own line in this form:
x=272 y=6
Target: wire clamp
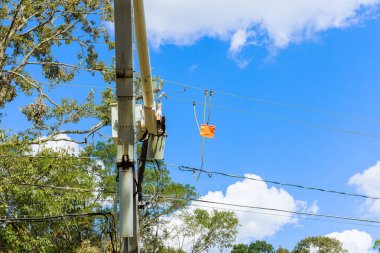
x=125 y=163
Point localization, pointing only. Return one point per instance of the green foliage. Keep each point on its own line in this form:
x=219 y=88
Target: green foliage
x=169 y=201
x=255 y=247
x=36 y=29
x=29 y=189
x=282 y=250
x=321 y=244
x=239 y=248
x=158 y=185
x=215 y=229
x=260 y=247
x=33 y=34
x=376 y=245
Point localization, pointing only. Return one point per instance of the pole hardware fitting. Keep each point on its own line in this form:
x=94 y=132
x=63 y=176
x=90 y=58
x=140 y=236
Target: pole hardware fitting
x=122 y=74
x=125 y=163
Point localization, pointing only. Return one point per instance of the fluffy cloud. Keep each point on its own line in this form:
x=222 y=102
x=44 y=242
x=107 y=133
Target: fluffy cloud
x=240 y=22
x=368 y=183
x=58 y=144
x=256 y=224
x=354 y=241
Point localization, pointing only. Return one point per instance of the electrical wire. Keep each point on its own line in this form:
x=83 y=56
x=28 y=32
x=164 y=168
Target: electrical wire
x=253 y=99
x=63 y=188
x=282 y=104
x=190 y=169
x=53 y=218
x=291 y=121
x=55 y=157
x=288 y=216
x=276 y=210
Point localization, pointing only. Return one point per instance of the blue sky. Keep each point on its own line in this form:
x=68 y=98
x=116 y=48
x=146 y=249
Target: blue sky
x=337 y=71
x=323 y=56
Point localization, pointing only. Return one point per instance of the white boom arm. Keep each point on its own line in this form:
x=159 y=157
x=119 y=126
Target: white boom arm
x=144 y=61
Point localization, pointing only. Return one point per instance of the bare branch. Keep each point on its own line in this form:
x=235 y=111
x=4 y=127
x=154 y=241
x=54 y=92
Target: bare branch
x=51 y=137
x=28 y=55
x=11 y=29
x=64 y=65
x=39 y=89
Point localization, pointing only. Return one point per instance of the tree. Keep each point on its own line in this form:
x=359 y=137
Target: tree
x=376 y=245
x=33 y=35
x=282 y=250
x=168 y=201
x=239 y=248
x=35 y=187
x=260 y=247
x=205 y=230
x=254 y=247
x=320 y=244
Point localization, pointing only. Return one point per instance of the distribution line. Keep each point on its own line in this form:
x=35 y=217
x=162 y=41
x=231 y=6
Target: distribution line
x=282 y=104
x=291 y=121
x=283 y=215
x=190 y=169
x=55 y=157
x=63 y=188
x=253 y=99
x=53 y=218
x=275 y=210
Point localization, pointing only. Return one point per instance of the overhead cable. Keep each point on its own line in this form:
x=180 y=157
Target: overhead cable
x=63 y=188
x=55 y=157
x=208 y=172
x=283 y=215
x=52 y=218
x=282 y=104
x=291 y=121
x=275 y=210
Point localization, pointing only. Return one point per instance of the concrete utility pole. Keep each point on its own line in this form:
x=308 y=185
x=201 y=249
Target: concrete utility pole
x=151 y=122
x=126 y=123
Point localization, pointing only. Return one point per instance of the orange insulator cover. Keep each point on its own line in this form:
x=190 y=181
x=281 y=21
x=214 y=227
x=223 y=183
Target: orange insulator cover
x=207 y=131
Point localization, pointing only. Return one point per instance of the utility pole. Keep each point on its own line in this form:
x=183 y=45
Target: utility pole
x=151 y=122
x=126 y=122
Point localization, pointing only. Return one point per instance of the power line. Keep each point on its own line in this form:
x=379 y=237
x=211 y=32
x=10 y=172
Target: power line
x=54 y=218
x=63 y=188
x=54 y=157
x=190 y=169
x=291 y=121
x=282 y=104
x=253 y=99
x=276 y=210
x=288 y=216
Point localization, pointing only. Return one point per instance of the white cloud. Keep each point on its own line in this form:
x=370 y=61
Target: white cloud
x=193 y=67
x=279 y=23
x=368 y=183
x=110 y=26
x=59 y=145
x=255 y=223
x=354 y=241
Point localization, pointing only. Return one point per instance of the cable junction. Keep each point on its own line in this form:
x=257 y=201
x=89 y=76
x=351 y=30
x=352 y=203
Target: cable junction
x=191 y=169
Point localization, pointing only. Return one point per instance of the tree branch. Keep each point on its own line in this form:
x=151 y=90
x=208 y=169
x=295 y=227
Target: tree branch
x=51 y=137
x=63 y=64
x=59 y=32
